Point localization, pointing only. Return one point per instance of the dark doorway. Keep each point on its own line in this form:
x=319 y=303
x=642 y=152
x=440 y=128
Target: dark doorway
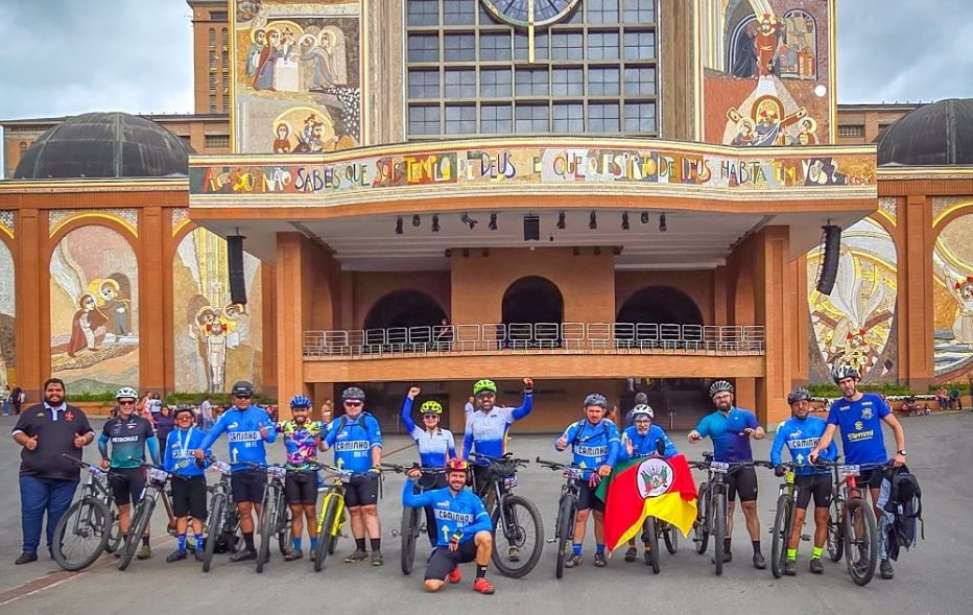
x=660 y=304
x=532 y=300
x=404 y=308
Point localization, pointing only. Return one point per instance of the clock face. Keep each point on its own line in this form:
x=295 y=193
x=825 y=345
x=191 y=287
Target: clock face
x=517 y=12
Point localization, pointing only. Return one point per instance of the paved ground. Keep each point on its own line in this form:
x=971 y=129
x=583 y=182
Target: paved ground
x=933 y=579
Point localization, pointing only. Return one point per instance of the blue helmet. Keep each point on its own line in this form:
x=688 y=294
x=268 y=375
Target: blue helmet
x=301 y=401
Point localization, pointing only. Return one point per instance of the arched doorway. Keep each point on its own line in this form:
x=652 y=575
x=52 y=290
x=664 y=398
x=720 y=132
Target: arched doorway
x=660 y=304
x=533 y=310
x=404 y=309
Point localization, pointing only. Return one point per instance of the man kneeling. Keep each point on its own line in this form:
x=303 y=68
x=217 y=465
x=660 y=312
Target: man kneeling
x=463 y=528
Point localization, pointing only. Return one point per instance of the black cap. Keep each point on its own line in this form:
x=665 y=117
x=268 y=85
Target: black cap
x=183 y=408
x=242 y=388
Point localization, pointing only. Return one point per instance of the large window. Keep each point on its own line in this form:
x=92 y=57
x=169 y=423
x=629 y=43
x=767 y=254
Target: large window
x=593 y=72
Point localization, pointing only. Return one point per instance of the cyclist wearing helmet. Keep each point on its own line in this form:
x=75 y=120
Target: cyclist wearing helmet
x=860 y=417
x=302 y=436
x=730 y=428
x=357 y=442
x=128 y=435
x=486 y=428
x=463 y=528
x=436 y=447
x=800 y=434
x=247 y=427
x=188 y=481
x=594 y=443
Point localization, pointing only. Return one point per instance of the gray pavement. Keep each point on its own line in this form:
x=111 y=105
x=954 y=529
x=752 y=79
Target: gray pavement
x=935 y=578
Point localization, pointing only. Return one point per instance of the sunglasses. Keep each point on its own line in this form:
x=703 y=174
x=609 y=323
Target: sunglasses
x=430 y=416
x=353 y=404
x=242 y=396
x=127 y=402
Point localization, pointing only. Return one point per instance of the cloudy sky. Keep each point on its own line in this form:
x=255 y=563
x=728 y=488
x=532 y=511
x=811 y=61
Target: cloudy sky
x=70 y=56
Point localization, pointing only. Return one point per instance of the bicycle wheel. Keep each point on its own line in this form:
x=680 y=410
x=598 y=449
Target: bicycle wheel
x=523 y=531
x=836 y=531
x=701 y=525
x=115 y=534
x=407 y=531
x=81 y=534
x=861 y=541
x=650 y=534
x=268 y=522
x=778 y=548
x=217 y=512
x=325 y=537
x=285 y=532
x=565 y=530
x=140 y=521
x=719 y=530
x=671 y=537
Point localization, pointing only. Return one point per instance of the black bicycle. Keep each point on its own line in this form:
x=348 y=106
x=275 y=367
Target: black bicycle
x=852 y=527
x=223 y=523
x=711 y=507
x=155 y=488
x=90 y=526
x=275 y=514
x=567 y=511
x=516 y=520
x=412 y=525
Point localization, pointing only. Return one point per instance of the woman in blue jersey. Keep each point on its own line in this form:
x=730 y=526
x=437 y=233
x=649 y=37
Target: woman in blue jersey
x=436 y=447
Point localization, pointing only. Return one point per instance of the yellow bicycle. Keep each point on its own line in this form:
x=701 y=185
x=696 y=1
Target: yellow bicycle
x=332 y=516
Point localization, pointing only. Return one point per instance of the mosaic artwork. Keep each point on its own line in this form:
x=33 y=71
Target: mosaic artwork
x=952 y=262
x=766 y=67
x=8 y=312
x=94 y=311
x=297 y=82
x=216 y=342
x=856 y=322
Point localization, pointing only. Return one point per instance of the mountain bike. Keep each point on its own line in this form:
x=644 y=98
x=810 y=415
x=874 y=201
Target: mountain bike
x=783 y=518
x=411 y=526
x=275 y=514
x=155 y=489
x=331 y=517
x=567 y=511
x=852 y=528
x=515 y=519
x=711 y=511
x=90 y=526
x=223 y=523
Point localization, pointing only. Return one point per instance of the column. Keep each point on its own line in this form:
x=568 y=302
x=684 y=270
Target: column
x=32 y=336
x=289 y=315
x=915 y=294
x=152 y=338
x=773 y=288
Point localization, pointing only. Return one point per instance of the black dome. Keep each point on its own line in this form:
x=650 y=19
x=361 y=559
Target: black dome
x=939 y=133
x=104 y=145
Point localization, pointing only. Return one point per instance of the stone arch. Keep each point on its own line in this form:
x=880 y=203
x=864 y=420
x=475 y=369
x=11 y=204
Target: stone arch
x=8 y=312
x=404 y=308
x=952 y=315
x=532 y=299
x=660 y=304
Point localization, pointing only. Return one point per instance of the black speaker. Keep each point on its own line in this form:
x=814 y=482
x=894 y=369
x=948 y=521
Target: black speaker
x=234 y=263
x=532 y=228
x=829 y=264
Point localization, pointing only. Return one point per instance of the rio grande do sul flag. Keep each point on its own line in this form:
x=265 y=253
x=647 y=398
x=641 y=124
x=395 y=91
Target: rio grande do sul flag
x=662 y=488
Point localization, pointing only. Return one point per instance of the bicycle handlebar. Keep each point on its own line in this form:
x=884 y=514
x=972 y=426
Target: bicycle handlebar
x=507 y=458
x=400 y=469
x=553 y=465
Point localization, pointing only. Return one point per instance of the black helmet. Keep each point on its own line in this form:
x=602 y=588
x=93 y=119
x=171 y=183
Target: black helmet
x=353 y=393
x=720 y=386
x=844 y=370
x=242 y=388
x=183 y=408
x=799 y=394
x=597 y=399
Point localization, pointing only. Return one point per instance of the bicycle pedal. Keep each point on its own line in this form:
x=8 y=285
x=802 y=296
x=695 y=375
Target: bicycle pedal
x=806 y=537
x=396 y=533
x=550 y=540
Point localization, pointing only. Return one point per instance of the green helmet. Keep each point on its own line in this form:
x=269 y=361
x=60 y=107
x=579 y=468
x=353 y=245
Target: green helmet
x=431 y=407
x=484 y=385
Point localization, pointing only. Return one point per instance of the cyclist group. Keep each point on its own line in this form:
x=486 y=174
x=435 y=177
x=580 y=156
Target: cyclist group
x=458 y=525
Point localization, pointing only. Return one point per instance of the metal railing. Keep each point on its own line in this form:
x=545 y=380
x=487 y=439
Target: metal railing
x=547 y=337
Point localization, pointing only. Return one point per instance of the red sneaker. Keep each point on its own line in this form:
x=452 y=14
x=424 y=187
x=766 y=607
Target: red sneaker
x=482 y=586
x=455 y=576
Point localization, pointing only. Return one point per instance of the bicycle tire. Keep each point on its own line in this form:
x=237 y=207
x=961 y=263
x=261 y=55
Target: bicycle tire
x=651 y=531
x=285 y=531
x=836 y=531
x=701 y=525
x=671 y=537
x=217 y=513
x=115 y=534
x=778 y=544
x=511 y=503
x=407 y=531
x=861 y=575
x=325 y=537
x=719 y=531
x=99 y=515
x=140 y=520
x=268 y=520
x=565 y=529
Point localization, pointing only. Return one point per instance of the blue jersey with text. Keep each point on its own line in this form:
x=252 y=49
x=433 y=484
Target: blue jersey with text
x=244 y=441
x=800 y=436
x=436 y=447
x=861 y=428
x=486 y=432
x=353 y=441
x=725 y=430
x=592 y=445
x=462 y=513
x=178 y=457
x=643 y=445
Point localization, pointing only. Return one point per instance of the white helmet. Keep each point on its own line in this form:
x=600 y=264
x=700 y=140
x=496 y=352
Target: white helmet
x=126 y=393
x=643 y=410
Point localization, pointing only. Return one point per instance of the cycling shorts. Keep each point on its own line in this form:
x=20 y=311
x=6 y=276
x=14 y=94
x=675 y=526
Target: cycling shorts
x=442 y=561
x=189 y=497
x=127 y=485
x=872 y=478
x=248 y=486
x=743 y=480
x=362 y=490
x=301 y=487
x=818 y=485
x=587 y=498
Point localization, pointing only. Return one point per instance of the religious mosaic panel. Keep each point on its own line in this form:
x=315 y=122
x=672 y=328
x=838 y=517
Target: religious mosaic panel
x=8 y=373
x=216 y=342
x=296 y=75
x=94 y=311
x=766 y=72
x=856 y=323
x=952 y=262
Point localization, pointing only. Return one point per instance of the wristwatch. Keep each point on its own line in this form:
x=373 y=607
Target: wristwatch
x=902 y=452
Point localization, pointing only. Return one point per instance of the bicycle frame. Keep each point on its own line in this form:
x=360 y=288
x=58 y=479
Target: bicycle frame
x=336 y=489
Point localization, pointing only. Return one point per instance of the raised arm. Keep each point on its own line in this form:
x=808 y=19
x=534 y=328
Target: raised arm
x=528 y=403
x=406 y=412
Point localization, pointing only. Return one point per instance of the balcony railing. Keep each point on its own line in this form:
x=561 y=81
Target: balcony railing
x=542 y=337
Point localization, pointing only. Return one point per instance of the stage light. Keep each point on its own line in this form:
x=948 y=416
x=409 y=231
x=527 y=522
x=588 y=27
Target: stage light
x=532 y=227
x=435 y=224
x=561 y=224
x=625 y=221
x=645 y=217
x=593 y=221
x=662 y=224
x=416 y=221
x=493 y=222
x=468 y=221
x=398 y=225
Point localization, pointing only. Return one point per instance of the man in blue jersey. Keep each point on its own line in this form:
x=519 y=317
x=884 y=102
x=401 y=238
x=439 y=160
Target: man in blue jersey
x=463 y=529
x=247 y=428
x=860 y=417
x=800 y=434
x=730 y=428
x=436 y=447
x=486 y=428
x=357 y=442
x=594 y=442
x=188 y=481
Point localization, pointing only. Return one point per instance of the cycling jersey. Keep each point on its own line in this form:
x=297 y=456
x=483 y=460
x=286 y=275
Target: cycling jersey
x=178 y=458
x=300 y=442
x=245 y=443
x=645 y=445
x=487 y=431
x=462 y=513
x=592 y=445
x=353 y=441
x=435 y=447
x=726 y=432
x=800 y=436
x=861 y=428
x=128 y=438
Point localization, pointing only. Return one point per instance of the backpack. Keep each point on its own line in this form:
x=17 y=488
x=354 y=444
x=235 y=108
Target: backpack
x=904 y=504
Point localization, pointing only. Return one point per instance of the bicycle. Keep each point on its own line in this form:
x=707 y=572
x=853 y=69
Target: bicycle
x=90 y=526
x=711 y=511
x=155 y=489
x=411 y=526
x=275 y=514
x=852 y=527
x=503 y=508
x=331 y=517
x=222 y=521
x=783 y=518
x=567 y=510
